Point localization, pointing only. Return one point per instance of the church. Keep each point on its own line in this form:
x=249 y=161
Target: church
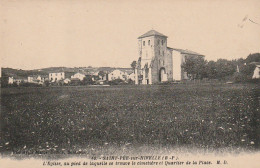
x=159 y=63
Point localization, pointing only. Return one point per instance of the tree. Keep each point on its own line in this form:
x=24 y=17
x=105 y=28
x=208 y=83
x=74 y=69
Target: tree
x=116 y=82
x=248 y=70
x=195 y=67
x=102 y=74
x=211 y=69
x=88 y=80
x=133 y=65
x=253 y=58
x=225 y=68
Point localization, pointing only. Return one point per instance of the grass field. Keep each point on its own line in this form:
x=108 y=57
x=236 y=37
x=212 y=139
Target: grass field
x=79 y=119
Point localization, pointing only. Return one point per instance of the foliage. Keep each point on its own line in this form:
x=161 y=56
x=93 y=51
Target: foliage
x=248 y=69
x=211 y=69
x=195 y=67
x=101 y=73
x=88 y=80
x=224 y=68
x=130 y=81
x=46 y=83
x=253 y=58
x=116 y=82
x=133 y=65
x=4 y=81
x=25 y=84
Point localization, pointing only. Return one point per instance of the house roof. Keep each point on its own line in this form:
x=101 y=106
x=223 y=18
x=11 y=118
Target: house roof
x=187 y=52
x=255 y=63
x=152 y=33
x=56 y=72
x=79 y=73
x=35 y=76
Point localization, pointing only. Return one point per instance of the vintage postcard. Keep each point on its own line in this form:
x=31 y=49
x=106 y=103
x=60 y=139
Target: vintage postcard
x=128 y=83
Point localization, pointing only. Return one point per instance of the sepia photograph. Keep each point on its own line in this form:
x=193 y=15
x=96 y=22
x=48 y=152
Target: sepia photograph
x=128 y=83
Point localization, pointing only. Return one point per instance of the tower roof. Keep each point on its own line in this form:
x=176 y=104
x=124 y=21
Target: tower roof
x=152 y=33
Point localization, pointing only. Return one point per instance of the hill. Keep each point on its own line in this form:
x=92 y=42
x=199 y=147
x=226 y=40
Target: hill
x=19 y=73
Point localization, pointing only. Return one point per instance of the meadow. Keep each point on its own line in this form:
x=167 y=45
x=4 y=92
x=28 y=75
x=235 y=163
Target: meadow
x=86 y=119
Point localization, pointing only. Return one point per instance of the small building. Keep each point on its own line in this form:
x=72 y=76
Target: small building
x=56 y=76
x=10 y=80
x=117 y=74
x=67 y=81
x=16 y=80
x=38 y=79
x=79 y=76
x=256 y=74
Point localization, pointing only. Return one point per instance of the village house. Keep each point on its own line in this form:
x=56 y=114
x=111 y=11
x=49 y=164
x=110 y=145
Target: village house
x=38 y=79
x=256 y=74
x=117 y=74
x=158 y=62
x=56 y=76
x=18 y=81
x=79 y=76
x=10 y=80
x=103 y=77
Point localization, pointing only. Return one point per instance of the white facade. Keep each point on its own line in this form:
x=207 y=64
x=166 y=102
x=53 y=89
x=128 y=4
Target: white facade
x=177 y=61
x=57 y=76
x=117 y=74
x=35 y=79
x=30 y=79
x=79 y=76
x=10 y=80
x=67 y=80
x=256 y=74
x=131 y=76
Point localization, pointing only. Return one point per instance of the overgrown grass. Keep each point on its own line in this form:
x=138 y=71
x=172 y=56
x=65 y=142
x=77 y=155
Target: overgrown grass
x=77 y=119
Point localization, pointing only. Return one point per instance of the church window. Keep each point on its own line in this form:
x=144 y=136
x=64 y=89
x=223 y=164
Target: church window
x=158 y=42
x=143 y=43
x=148 y=42
x=163 y=53
x=162 y=42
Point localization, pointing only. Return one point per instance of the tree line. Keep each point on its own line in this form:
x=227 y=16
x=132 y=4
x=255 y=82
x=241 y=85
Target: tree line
x=238 y=70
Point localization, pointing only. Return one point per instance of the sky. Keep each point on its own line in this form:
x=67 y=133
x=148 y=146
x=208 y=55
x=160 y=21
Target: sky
x=40 y=34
